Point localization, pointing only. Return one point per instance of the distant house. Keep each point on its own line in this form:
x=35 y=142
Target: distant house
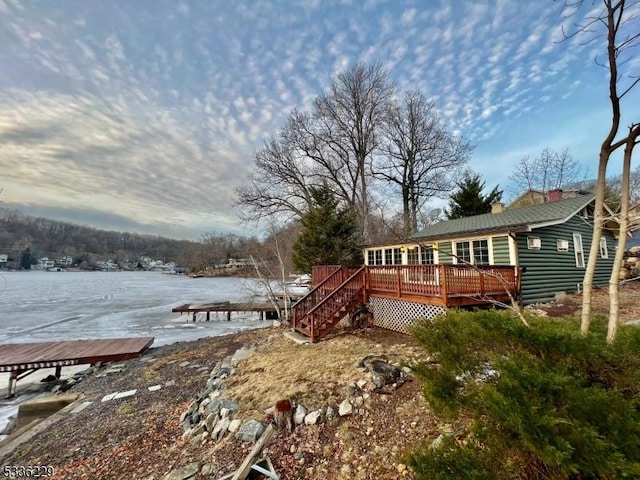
x=65 y=261
x=44 y=263
x=238 y=263
x=536 y=253
x=4 y=258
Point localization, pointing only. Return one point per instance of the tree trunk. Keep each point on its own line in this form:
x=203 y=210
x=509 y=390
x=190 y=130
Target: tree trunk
x=598 y=220
x=614 y=282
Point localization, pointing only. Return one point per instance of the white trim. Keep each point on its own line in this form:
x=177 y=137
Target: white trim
x=578 y=249
x=604 y=248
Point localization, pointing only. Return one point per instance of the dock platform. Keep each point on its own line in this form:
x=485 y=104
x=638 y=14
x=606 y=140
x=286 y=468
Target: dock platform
x=22 y=359
x=263 y=308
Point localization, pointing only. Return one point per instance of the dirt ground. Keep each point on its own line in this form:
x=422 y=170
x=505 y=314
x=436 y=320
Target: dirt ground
x=140 y=437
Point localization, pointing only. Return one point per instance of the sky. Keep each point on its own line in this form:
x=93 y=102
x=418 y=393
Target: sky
x=144 y=116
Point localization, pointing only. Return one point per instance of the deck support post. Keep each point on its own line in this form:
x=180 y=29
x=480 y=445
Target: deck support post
x=193 y=319
x=58 y=371
x=208 y=316
x=229 y=316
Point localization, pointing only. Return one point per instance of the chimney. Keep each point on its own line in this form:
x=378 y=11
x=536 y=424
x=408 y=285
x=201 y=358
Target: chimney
x=554 y=195
x=497 y=207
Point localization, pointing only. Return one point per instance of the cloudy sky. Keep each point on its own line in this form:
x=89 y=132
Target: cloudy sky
x=144 y=115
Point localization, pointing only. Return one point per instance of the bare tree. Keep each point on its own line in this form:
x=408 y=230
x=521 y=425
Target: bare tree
x=548 y=171
x=422 y=159
x=280 y=181
x=350 y=116
x=615 y=22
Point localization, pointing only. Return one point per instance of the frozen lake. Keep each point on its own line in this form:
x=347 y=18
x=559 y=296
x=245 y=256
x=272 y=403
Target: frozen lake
x=42 y=306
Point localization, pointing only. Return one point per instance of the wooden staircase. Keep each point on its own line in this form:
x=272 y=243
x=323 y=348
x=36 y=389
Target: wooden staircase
x=329 y=302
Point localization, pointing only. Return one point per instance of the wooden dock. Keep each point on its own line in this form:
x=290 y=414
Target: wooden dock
x=263 y=308
x=22 y=359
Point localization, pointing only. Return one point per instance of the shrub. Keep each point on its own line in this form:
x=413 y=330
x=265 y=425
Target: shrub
x=538 y=402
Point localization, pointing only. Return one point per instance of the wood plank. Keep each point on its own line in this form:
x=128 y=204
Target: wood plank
x=23 y=356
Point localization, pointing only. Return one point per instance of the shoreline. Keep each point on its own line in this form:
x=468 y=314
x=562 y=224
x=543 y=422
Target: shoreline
x=32 y=387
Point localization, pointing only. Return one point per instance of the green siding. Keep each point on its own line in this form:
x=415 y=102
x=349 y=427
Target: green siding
x=501 y=250
x=445 y=252
x=548 y=271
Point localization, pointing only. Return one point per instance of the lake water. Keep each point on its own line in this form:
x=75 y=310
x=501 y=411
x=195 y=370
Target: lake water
x=39 y=306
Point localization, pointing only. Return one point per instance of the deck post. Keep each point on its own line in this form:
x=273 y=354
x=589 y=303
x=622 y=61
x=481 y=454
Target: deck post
x=208 y=316
x=229 y=316
x=13 y=379
x=443 y=283
x=194 y=317
x=398 y=281
x=58 y=371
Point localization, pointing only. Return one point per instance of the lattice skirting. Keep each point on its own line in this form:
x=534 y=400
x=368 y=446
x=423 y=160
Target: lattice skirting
x=398 y=314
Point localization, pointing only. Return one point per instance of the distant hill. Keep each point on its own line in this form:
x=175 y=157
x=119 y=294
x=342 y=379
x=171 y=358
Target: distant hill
x=53 y=239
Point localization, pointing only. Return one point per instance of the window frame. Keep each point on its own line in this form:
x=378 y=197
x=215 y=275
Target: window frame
x=578 y=248
x=559 y=245
x=460 y=258
x=532 y=241
x=604 y=248
x=474 y=259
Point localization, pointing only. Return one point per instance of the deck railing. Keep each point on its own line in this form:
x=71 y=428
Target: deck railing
x=441 y=280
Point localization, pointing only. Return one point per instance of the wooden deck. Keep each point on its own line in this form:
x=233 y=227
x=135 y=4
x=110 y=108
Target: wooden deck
x=446 y=285
x=21 y=359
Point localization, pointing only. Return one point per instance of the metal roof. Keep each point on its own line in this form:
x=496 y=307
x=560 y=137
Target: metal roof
x=523 y=219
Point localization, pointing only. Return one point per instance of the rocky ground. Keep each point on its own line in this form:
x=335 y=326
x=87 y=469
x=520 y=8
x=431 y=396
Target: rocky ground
x=143 y=435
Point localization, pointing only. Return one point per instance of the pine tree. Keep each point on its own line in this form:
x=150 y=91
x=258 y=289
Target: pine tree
x=468 y=200
x=329 y=234
x=25 y=260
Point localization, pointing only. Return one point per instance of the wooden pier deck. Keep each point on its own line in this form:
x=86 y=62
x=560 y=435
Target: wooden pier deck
x=22 y=359
x=227 y=307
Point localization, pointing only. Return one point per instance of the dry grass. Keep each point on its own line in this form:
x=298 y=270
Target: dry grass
x=314 y=375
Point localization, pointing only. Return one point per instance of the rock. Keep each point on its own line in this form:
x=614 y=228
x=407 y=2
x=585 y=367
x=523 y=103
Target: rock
x=345 y=408
x=330 y=414
x=219 y=403
x=210 y=421
x=197 y=431
x=220 y=429
x=359 y=401
x=184 y=473
x=313 y=417
x=208 y=470
x=298 y=417
x=352 y=389
x=235 y=425
x=250 y=431
x=401 y=467
x=170 y=383
x=293 y=449
x=184 y=364
x=241 y=354
x=361 y=384
x=224 y=412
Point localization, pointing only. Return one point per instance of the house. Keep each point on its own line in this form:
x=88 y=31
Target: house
x=534 y=254
x=4 y=258
x=44 y=263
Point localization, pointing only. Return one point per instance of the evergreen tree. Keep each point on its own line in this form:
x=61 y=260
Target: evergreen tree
x=468 y=200
x=329 y=234
x=25 y=260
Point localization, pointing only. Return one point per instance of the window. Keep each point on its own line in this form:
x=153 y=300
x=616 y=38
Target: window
x=480 y=252
x=562 y=245
x=388 y=256
x=604 y=252
x=370 y=257
x=577 y=247
x=426 y=255
x=412 y=256
x=534 y=243
x=463 y=252
x=378 y=260
x=397 y=256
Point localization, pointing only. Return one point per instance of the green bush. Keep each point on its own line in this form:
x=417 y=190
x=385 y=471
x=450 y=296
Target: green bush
x=540 y=402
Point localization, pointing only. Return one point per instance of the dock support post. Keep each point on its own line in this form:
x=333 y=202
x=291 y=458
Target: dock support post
x=13 y=379
x=194 y=317
x=229 y=316
x=208 y=315
x=262 y=316
x=58 y=371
